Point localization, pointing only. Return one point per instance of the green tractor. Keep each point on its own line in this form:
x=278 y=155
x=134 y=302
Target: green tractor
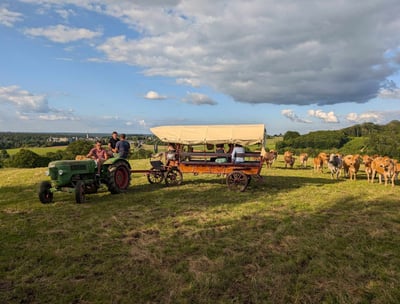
x=80 y=177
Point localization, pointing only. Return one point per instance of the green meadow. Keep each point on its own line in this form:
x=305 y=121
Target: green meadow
x=294 y=237
x=38 y=150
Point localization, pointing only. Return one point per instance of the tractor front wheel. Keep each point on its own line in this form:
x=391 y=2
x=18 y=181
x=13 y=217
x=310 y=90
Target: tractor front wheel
x=80 y=192
x=45 y=194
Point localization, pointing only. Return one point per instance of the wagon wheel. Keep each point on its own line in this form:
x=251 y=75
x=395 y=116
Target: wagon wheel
x=155 y=176
x=237 y=181
x=173 y=177
x=119 y=177
x=80 y=192
x=45 y=194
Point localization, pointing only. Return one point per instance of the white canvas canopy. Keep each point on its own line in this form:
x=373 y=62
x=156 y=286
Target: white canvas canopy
x=212 y=134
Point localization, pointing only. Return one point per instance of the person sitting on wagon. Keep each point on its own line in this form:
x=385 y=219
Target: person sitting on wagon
x=220 y=150
x=98 y=154
x=171 y=150
x=238 y=149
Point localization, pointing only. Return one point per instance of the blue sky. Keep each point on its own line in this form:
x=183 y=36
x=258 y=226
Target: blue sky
x=104 y=65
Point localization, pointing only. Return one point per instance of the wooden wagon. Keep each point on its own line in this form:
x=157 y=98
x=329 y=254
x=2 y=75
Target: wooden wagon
x=186 y=157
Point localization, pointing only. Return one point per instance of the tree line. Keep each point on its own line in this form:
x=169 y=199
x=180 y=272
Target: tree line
x=26 y=158
x=366 y=138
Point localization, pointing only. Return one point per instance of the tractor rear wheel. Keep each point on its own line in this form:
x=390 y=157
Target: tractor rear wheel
x=119 y=177
x=80 y=192
x=45 y=194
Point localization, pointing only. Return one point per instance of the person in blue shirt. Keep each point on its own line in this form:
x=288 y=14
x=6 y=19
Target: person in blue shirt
x=123 y=147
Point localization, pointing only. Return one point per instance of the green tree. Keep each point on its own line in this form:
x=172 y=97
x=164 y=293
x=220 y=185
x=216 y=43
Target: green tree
x=289 y=135
x=79 y=147
x=4 y=156
x=25 y=159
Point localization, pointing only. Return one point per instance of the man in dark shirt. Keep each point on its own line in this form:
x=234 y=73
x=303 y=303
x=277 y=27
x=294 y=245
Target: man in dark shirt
x=122 y=147
x=112 y=144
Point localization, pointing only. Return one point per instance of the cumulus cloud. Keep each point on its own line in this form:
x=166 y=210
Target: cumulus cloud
x=198 y=99
x=328 y=117
x=375 y=117
x=154 y=96
x=252 y=52
x=336 y=52
x=23 y=100
x=8 y=18
x=61 y=33
x=293 y=117
x=29 y=106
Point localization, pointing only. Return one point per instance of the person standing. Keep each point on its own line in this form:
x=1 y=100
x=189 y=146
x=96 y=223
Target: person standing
x=98 y=154
x=112 y=143
x=122 y=147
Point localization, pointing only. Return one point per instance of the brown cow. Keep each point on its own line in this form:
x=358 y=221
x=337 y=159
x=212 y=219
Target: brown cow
x=367 y=160
x=319 y=161
x=269 y=157
x=288 y=159
x=351 y=165
x=303 y=159
x=385 y=167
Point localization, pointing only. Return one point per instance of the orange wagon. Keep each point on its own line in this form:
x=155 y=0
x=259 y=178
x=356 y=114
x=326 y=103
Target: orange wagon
x=184 y=159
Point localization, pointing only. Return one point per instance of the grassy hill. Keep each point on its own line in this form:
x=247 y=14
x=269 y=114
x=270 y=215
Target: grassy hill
x=296 y=237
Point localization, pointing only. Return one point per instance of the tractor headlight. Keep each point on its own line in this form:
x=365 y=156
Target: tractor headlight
x=60 y=172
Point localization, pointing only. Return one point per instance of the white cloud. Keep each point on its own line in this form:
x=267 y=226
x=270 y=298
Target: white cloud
x=8 y=18
x=328 y=117
x=23 y=100
x=375 y=117
x=61 y=33
x=56 y=117
x=154 y=96
x=198 y=99
x=190 y=82
x=65 y=13
x=293 y=117
x=390 y=93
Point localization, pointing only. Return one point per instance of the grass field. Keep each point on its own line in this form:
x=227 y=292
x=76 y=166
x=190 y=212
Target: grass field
x=38 y=150
x=295 y=237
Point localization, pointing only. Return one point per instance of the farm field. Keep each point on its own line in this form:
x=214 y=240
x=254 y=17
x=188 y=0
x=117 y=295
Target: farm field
x=295 y=237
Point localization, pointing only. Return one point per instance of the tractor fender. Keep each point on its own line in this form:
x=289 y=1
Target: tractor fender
x=113 y=160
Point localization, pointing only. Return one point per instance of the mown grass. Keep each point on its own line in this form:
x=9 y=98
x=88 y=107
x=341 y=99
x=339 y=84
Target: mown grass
x=295 y=237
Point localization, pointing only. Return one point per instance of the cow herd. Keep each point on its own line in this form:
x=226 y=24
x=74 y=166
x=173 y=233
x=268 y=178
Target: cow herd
x=385 y=168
